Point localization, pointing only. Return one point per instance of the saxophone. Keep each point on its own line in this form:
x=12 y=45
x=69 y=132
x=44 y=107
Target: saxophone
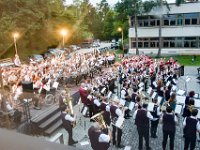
x=68 y=103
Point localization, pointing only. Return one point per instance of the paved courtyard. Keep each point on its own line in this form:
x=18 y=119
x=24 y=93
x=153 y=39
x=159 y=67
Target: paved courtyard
x=130 y=136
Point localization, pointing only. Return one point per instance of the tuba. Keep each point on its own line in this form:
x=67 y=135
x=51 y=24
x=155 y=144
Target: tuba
x=99 y=118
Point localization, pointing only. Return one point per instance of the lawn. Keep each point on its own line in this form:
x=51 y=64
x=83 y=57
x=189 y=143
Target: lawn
x=186 y=60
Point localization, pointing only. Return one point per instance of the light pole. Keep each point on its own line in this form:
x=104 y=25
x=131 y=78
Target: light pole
x=121 y=30
x=15 y=36
x=63 y=33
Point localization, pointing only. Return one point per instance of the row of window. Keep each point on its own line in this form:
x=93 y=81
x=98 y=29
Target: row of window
x=168 y=20
x=167 y=42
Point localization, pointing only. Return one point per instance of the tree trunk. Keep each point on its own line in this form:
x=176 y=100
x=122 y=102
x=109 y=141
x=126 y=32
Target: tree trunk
x=160 y=38
x=136 y=34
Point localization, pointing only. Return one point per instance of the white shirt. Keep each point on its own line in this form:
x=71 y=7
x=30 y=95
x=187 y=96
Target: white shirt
x=197 y=126
x=148 y=114
x=103 y=138
x=69 y=118
x=97 y=103
x=117 y=111
x=123 y=93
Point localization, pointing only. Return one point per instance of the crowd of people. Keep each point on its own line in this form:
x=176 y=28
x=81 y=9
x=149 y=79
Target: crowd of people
x=124 y=88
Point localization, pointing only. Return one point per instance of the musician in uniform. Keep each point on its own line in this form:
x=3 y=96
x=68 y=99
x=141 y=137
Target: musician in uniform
x=106 y=115
x=68 y=121
x=142 y=117
x=191 y=126
x=62 y=97
x=169 y=121
x=154 y=122
x=116 y=112
x=125 y=96
x=98 y=139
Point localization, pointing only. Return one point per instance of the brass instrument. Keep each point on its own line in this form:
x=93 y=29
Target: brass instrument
x=99 y=118
x=69 y=109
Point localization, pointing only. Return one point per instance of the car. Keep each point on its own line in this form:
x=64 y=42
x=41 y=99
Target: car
x=55 y=51
x=36 y=58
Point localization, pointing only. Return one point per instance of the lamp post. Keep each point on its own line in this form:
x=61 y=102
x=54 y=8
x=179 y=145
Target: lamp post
x=121 y=30
x=15 y=36
x=63 y=33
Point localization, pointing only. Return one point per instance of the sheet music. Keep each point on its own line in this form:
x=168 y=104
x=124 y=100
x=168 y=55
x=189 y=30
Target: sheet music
x=178 y=109
x=84 y=143
x=159 y=100
x=196 y=96
x=46 y=87
x=141 y=84
x=55 y=85
x=181 y=92
x=122 y=102
x=140 y=90
x=180 y=99
x=119 y=122
x=127 y=148
x=149 y=90
x=168 y=83
x=155 y=84
x=150 y=106
x=153 y=95
x=174 y=88
x=198 y=115
x=131 y=105
x=109 y=94
x=197 y=103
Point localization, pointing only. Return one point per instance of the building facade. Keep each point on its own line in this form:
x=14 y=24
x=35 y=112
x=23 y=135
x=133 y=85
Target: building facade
x=180 y=30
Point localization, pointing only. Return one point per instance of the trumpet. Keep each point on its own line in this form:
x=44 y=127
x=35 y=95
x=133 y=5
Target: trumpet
x=99 y=118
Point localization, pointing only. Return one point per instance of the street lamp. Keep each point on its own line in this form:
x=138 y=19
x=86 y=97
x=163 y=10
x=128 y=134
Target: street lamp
x=15 y=36
x=121 y=30
x=63 y=32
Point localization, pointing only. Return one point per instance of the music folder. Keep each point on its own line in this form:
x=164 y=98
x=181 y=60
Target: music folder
x=122 y=102
x=150 y=106
x=198 y=115
x=181 y=92
x=131 y=105
x=55 y=85
x=178 y=109
x=119 y=122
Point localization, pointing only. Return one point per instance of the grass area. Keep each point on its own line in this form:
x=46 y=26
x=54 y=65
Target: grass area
x=187 y=60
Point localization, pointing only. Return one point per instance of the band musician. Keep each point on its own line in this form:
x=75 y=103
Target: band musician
x=116 y=112
x=98 y=139
x=68 y=121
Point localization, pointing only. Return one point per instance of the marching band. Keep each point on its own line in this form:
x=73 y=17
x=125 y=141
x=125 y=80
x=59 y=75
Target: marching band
x=112 y=95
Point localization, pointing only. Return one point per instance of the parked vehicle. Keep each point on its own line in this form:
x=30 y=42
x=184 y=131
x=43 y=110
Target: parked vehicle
x=36 y=58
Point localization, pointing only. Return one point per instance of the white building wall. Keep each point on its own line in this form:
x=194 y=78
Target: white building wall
x=172 y=31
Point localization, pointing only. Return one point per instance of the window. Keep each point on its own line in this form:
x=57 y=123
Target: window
x=146 y=44
x=140 y=44
x=146 y=23
x=152 y=22
x=133 y=45
x=191 y=18
x=165 y=44
x=190 y=42
x=179 y=19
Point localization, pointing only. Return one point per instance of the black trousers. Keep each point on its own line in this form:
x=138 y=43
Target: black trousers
x=154 y=126
x=117 y=131
x=171 y=136
x=190 y=142
x=70 y=132
x=91 y=110
x=143 y=132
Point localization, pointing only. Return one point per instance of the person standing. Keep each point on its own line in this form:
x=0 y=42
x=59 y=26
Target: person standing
x=142 y=117
x=169 y=121
x=116 y=112
x=68 y=121
x=191 y=126
x=98 y=139
x=154 y=122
